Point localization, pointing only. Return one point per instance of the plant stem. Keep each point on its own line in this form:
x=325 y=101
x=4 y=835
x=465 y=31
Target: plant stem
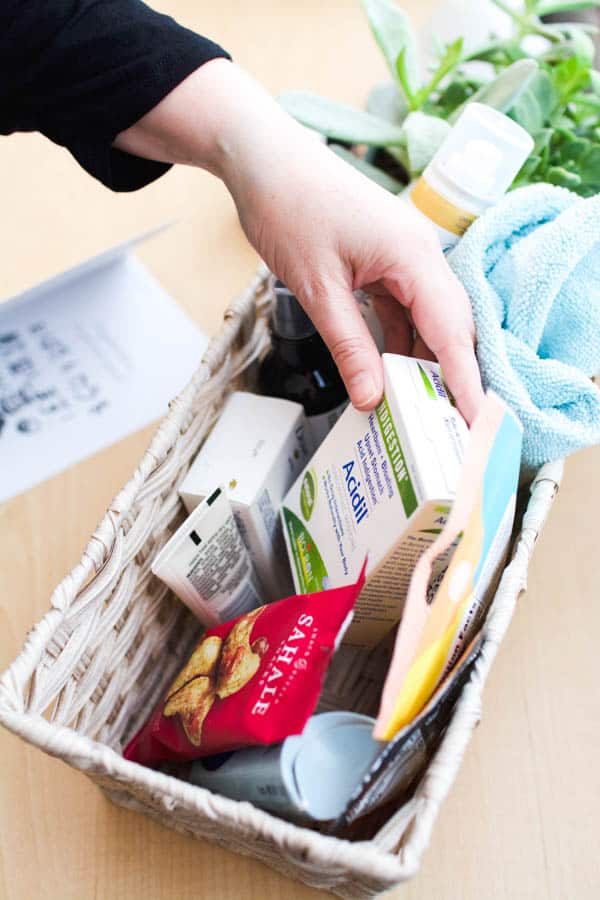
x=527 y=24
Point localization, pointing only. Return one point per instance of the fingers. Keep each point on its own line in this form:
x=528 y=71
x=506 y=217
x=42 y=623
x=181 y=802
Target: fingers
x=336 y=316
x=441 y=313
x=461 y=371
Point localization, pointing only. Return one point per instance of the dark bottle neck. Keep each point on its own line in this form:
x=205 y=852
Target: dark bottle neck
x=302 y=353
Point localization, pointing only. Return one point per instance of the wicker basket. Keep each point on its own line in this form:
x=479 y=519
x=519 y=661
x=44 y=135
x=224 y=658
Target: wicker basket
x=95 y=665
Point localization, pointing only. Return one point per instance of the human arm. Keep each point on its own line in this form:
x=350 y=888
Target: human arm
x=81 y=71
x=129 y=91
x=322 y=227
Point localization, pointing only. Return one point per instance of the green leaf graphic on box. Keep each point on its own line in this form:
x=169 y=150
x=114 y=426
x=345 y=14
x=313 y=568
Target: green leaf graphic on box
x=428 y=385
x=431 y=390
x=308 y=563
x=308 y=494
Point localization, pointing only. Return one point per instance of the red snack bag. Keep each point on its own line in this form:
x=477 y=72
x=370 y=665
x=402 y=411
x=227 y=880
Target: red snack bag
x=254 y=680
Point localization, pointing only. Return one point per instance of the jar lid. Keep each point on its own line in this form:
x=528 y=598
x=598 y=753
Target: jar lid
x=289 y=319
x=483 y=152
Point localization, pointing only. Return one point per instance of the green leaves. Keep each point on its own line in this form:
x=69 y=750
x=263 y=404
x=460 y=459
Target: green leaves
x=589 y=167
x=554 y=95
x=504 y=90
x=569 y=76
x=386 y=102
x=416 y=140
x=535 y=103
x=423 y=137
x=563 y=178
x=564 y=158
x=448 y=61
x=340 y=122
x=404 y=80
x=393 y=32
x=377 y=175
x=574 y=41
x=550 y=7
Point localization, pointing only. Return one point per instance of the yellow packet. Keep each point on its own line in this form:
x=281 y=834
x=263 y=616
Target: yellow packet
x=437 y=623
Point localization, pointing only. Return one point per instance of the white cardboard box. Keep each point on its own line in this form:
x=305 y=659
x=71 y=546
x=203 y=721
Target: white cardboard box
x=257 y=448
x=380 y=484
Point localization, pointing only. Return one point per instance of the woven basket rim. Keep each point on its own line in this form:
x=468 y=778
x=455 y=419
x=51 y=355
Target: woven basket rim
x=61 y=741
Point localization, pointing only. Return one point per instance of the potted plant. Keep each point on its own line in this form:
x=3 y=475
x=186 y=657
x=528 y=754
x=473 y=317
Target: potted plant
x=542 y=75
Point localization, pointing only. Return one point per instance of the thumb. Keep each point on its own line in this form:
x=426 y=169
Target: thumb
x=336 y=317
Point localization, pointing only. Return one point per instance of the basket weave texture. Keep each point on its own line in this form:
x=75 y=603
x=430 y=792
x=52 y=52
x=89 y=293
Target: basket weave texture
x=99 y=660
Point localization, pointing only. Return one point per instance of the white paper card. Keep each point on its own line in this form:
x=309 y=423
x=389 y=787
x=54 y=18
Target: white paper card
x=85 y=359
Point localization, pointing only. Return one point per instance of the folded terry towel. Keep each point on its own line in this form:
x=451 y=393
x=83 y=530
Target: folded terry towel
x=531 y=266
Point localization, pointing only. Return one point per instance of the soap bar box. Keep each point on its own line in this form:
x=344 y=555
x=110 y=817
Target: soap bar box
x=381 y=484
x=257 y=448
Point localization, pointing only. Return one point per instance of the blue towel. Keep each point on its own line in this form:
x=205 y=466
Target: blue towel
x=531 y=266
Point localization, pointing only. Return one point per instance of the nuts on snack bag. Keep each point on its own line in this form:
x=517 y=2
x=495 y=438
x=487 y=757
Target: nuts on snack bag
x=240 y=659
x=192 y=704
x=203 y=661
x=254 y=680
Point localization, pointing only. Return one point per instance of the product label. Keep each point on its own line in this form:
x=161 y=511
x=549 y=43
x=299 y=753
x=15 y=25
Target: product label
x=253 y=680
x=396 y=458
x=308 y=493
x=371 y=483
x=452 y=219
x=310 y=569
x=268 y=514
x=206 y=564
x=221 y=572
x=435 y=386
x=254 y=775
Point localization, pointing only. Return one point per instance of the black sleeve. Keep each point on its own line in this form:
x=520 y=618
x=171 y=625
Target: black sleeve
x=81 y=71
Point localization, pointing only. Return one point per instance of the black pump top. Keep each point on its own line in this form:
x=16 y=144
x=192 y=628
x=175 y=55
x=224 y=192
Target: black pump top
x=289 y=319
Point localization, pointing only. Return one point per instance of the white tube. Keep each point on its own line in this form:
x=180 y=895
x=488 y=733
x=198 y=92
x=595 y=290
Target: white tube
x=207 y=565
x=308 y=777
x=471 y=171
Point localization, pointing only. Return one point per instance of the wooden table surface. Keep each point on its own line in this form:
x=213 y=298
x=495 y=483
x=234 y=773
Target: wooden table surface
x=523 y=818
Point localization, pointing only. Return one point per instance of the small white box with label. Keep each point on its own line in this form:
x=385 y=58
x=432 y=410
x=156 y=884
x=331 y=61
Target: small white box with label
x=257 y=449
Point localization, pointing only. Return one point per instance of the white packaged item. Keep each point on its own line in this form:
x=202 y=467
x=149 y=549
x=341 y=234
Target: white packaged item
x=308 y=776
x=257 y=449
x=471 y=171
x=206 y=564
x=381 y=484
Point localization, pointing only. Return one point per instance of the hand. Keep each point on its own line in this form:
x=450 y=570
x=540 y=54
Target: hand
x=323 y=228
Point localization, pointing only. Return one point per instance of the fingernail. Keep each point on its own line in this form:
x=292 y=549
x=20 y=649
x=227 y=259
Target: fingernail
x=363 y=390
